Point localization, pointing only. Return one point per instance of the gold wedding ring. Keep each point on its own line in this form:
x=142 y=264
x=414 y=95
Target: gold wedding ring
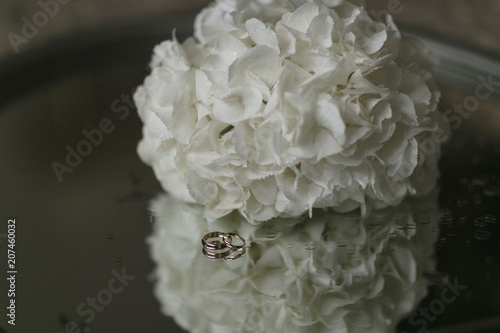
x=227 y=239
x=219 y=245
x=217 y=242
x=215 y=255
x=233 y=255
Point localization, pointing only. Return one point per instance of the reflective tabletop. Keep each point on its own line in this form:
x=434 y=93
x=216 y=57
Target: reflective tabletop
x=90 y=216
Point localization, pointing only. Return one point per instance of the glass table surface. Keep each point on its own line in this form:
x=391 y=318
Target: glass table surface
x=81 y=220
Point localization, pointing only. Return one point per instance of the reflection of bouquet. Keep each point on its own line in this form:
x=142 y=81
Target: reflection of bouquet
x=281 y=106
x=330 y=273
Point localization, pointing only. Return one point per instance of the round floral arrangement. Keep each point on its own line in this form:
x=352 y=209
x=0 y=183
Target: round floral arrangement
x=329 y=273
x=276 y=107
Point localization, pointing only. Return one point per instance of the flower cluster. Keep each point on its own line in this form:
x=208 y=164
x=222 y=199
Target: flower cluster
x=329 y=273
x=277 y=107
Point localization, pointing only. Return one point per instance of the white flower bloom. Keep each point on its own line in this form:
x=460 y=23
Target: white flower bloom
x=331 y=273
x=278 y=107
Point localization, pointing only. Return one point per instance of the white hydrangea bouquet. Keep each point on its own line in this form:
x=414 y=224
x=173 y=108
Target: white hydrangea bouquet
x=329 y=273
x=279 y=106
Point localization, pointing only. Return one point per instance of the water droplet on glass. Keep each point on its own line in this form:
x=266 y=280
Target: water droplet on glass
x=490 y=218
x=408 y=226
x=446 y=212
x=341 y=243
x=480 y=222
x=480 y=181
x=111 y=236
x=271 y=235
x=446 y=220
x=482 y=234
x=309 y=246
x=491 y=191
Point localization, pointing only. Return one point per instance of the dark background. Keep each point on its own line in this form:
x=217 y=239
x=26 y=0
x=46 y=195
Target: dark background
x=472 y=23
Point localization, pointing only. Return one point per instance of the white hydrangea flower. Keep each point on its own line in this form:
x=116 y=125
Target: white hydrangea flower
x=331 y=273
x=276 y=107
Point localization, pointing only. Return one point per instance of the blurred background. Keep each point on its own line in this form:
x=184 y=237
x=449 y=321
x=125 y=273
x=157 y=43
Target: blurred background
x=470 y=23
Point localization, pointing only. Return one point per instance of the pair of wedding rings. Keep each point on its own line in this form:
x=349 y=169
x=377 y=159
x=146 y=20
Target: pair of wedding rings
x=219 y=245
